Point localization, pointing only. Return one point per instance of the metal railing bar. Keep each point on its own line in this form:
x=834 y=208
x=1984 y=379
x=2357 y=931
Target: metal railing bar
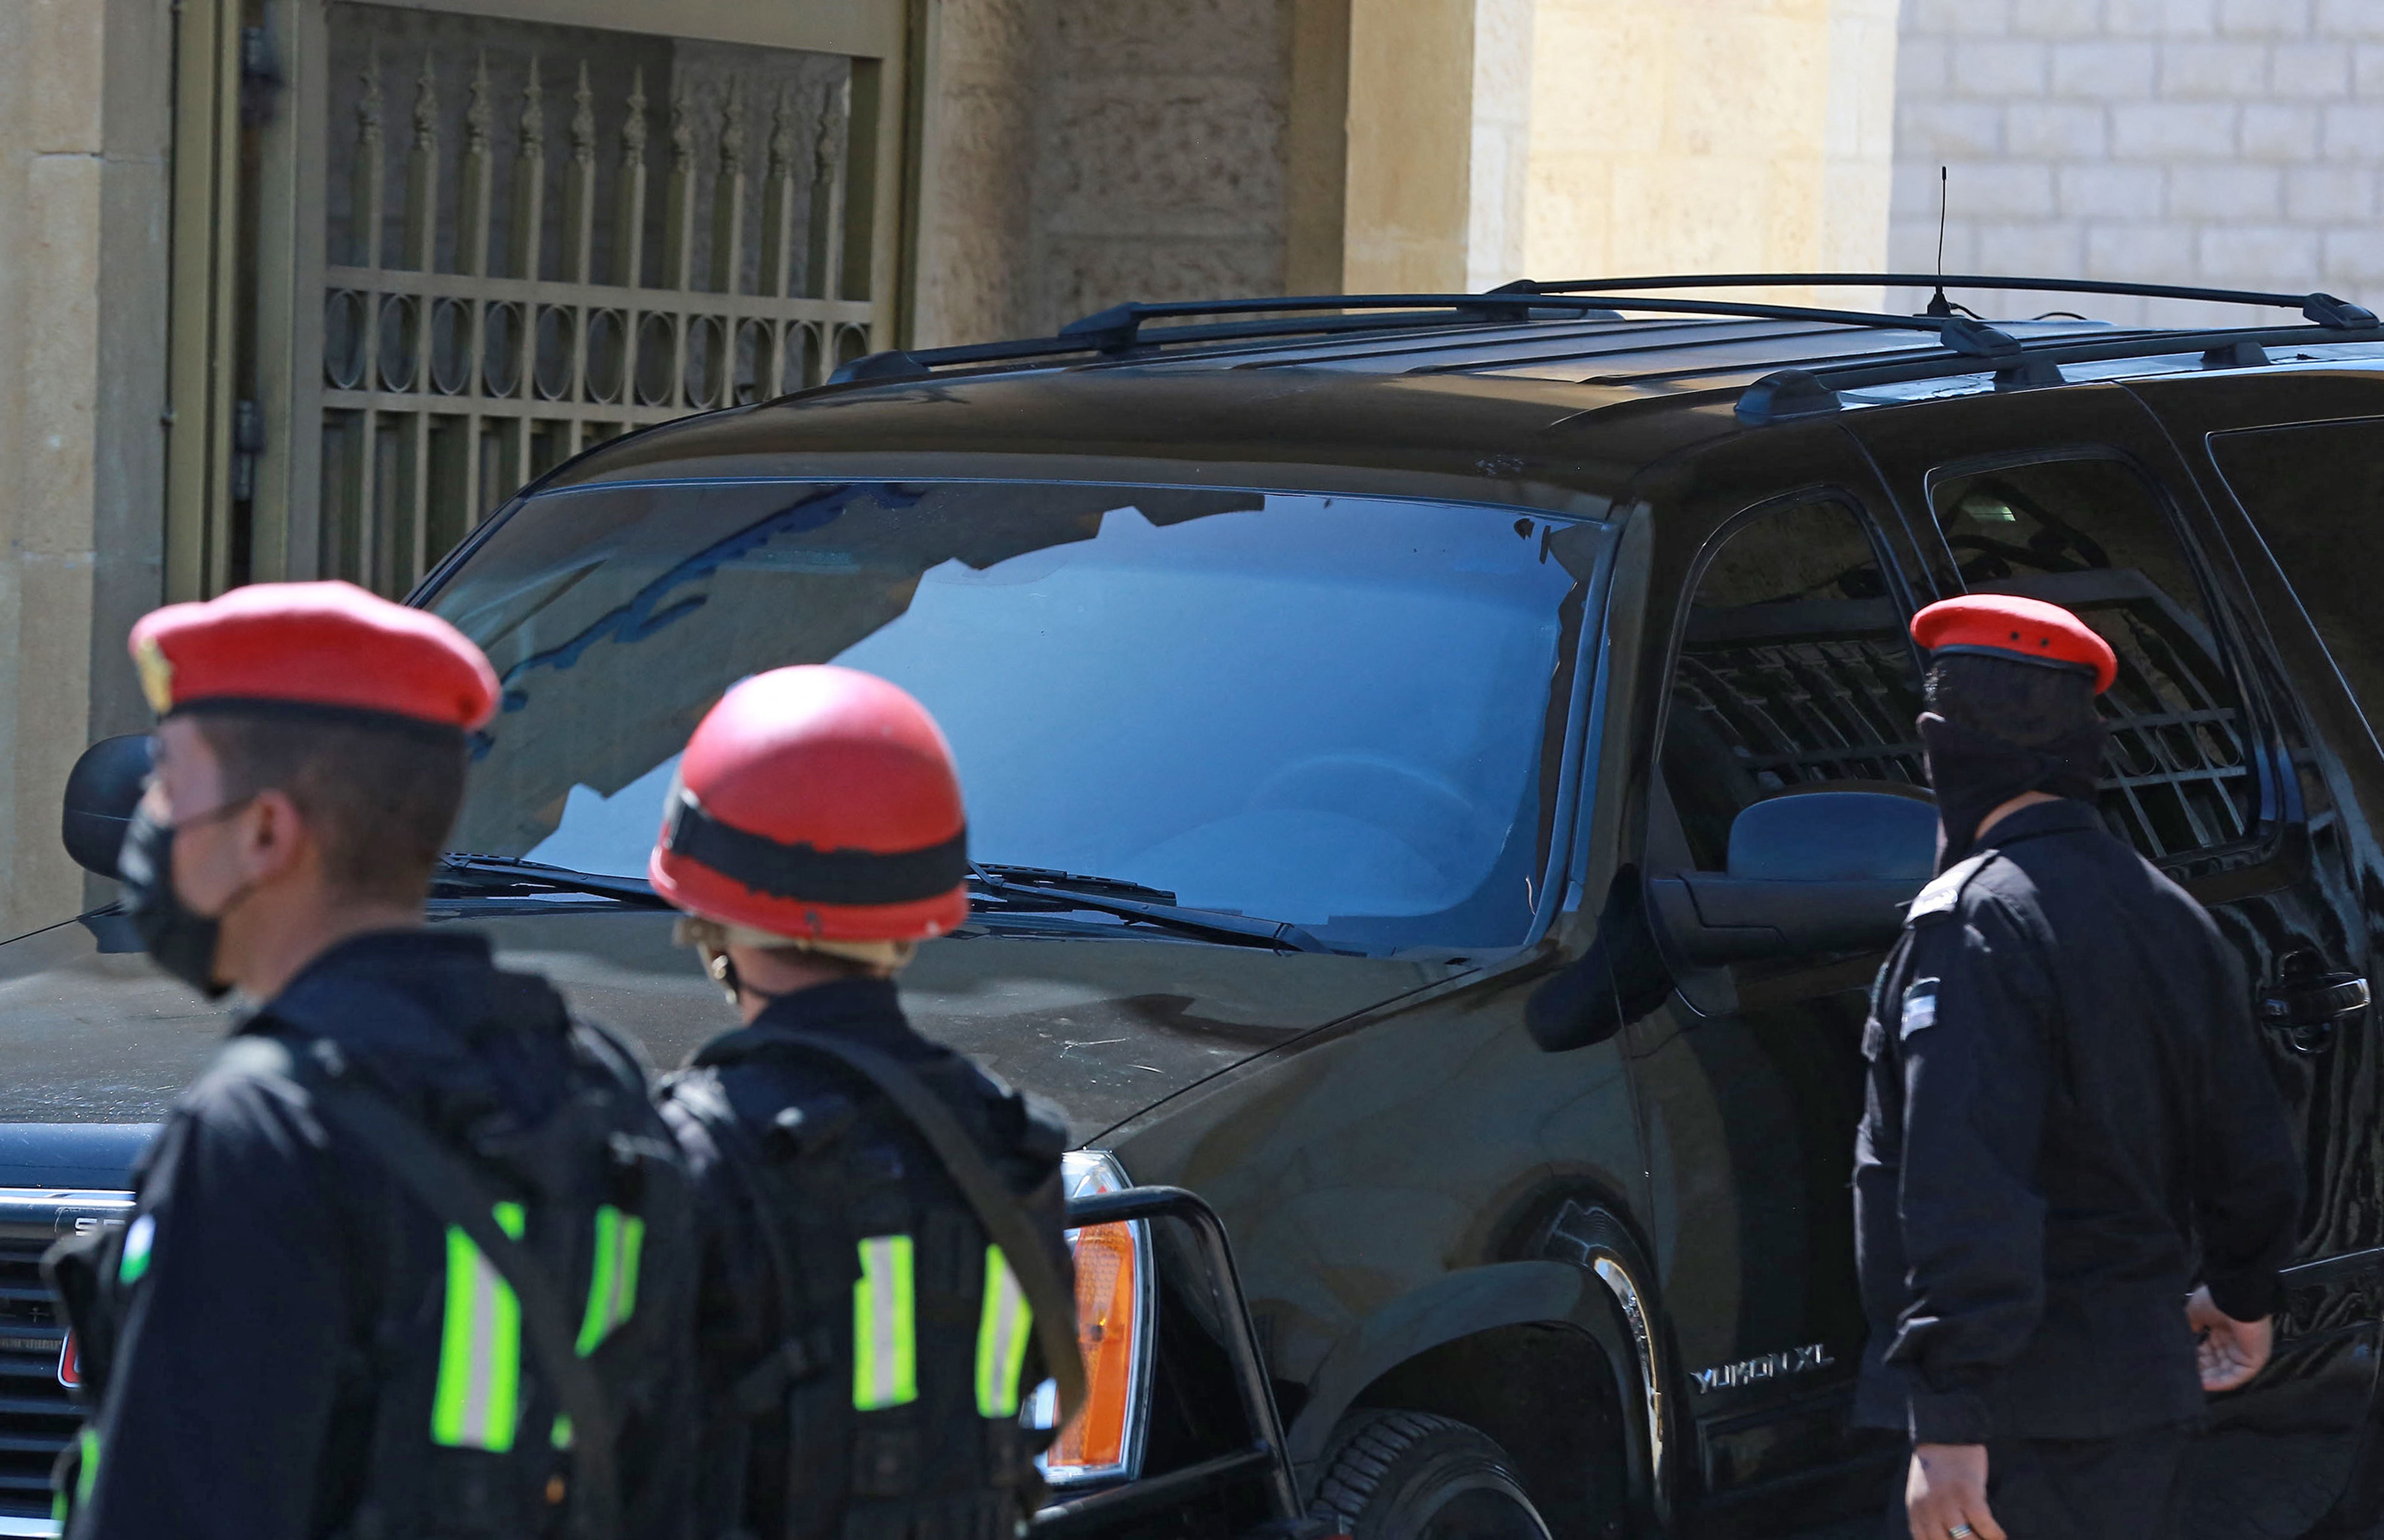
x=593 y=296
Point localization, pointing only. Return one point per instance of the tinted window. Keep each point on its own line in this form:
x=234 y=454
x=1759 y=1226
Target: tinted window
x=1343 y=713
x=1794 y=672
x=2316 y=496
x=2092 y=535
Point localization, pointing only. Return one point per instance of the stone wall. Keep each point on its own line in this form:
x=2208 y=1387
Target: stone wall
x=2231 y=142
x=1159 y=168
x=84 y=98
x=1197 y=148
x=1079 y=152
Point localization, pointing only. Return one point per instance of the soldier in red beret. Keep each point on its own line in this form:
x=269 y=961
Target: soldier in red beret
x=884 y=1275
x=409 y=1259
x=2069 y=1123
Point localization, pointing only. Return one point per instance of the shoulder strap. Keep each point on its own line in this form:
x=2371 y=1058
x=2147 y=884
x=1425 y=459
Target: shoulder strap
x=452 y=1192
x=997 y=1210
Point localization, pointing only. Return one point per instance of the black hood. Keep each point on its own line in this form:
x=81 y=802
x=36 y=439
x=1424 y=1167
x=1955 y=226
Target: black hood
x=1104 y=1027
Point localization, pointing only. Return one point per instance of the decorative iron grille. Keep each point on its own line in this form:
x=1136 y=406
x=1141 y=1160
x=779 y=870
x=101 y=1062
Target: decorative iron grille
x=1797 y=710
x=1801 y=712
x=516 y=269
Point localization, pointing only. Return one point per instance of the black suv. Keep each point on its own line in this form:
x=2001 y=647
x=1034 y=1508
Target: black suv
x=1442 y=774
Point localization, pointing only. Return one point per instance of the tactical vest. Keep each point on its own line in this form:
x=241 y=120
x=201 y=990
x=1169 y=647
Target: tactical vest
x=890 y=1407
x=447 y=1424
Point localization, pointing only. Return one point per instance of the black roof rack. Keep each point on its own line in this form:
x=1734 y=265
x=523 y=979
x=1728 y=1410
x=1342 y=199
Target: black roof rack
x=1119 y=329
x=1814 y=388
x=1120 y=332
x=2320 y=308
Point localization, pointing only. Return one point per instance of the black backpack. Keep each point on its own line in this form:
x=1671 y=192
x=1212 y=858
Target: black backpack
x=889 y=1206
x=577 y=1226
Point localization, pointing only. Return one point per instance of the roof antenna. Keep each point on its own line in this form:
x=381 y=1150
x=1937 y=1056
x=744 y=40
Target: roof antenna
x=1938 y=304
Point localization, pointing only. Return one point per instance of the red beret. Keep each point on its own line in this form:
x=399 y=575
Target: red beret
x=2006 y=625
x=329 y=645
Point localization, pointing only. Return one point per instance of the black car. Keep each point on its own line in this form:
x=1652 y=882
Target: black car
x=1442 y=773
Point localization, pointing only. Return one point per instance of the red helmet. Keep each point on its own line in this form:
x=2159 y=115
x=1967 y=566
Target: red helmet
x=817 y=803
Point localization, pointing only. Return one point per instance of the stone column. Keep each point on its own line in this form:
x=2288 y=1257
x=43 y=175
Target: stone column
x=974 y=232
x=1711 y=135
x=85 y=87
x=1477 y=140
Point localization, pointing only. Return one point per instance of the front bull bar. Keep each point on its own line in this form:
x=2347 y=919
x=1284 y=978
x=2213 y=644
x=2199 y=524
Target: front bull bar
x=1265 y=1459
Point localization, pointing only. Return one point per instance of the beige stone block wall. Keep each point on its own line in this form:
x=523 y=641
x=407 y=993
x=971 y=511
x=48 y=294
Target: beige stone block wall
x=2228 y=142
x=1498 y=201
x=83 y=88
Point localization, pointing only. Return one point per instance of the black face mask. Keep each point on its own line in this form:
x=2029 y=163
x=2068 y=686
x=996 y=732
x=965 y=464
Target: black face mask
x=178 y=939
x=1975 y=772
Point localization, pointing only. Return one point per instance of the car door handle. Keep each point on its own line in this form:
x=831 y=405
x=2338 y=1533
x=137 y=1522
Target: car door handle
x=2305 y=1005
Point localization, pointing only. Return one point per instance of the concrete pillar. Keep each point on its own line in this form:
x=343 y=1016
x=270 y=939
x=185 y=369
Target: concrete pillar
x=1460 y=143
x=85 y=87
x=973 y=230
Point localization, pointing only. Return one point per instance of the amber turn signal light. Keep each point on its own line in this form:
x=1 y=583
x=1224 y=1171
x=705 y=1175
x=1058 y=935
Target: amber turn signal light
x=1105 y=1332
x=1114 y=1302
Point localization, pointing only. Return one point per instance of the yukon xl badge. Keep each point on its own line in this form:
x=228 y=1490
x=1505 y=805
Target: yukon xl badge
x=1765 y=1366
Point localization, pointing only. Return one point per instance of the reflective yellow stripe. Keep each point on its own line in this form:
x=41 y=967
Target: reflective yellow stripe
x=87 y=1466
x=884 y=1347
x=478 y=1398
x=612 y=1277
x=137 y=1242
x=1001 y=1335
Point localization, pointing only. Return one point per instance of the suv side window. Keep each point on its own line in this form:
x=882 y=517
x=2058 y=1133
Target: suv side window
x=2094 y=535
x=1794 y=672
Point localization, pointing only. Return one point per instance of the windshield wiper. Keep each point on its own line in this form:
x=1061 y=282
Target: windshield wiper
x=1042 y=887
x=1038 y=887
x=486 y=873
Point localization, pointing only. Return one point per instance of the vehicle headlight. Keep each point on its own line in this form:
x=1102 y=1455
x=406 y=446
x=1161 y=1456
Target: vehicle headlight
x=1115 y=1296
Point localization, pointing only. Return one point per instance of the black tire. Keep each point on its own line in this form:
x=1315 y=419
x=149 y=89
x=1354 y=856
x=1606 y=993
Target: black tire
x=1409 y=1475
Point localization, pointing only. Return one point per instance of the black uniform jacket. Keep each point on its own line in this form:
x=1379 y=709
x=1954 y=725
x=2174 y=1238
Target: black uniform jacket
x=234 y=1409
x=2068 y=1099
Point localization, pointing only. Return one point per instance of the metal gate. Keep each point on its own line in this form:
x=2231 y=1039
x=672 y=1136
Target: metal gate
x=467 y=241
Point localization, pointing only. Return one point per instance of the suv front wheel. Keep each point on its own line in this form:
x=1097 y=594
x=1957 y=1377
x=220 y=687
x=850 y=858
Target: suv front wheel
x=1409 y=1475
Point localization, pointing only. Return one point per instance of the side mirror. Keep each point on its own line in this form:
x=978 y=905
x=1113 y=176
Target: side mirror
x=102 y=790
x=1816 y=872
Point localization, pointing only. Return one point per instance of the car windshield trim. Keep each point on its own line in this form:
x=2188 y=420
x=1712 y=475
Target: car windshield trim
x=1580 y=512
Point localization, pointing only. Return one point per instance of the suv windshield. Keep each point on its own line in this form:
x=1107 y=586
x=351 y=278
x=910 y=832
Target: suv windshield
x=1343 y=714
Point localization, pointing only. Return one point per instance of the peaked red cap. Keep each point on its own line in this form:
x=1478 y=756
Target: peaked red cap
x=817 y=802
x=328 y=646
x=2006 y=625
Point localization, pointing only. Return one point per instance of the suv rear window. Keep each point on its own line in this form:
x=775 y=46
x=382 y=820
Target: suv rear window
x=1343 y=713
